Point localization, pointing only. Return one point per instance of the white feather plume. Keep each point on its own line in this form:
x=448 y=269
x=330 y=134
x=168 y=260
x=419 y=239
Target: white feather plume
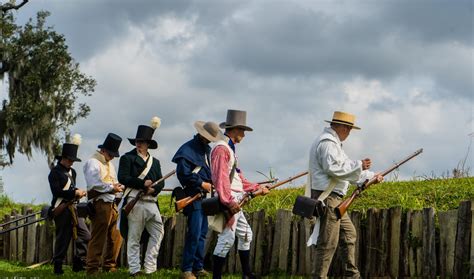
x=155 y=122
x=76 y=139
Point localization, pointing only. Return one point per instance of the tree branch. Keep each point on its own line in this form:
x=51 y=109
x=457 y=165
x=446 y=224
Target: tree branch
x=10 y=6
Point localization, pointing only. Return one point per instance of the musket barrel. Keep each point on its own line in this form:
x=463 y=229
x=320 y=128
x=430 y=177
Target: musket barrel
x=342 y=208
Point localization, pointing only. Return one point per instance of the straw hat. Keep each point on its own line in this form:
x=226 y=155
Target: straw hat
x=209 y=130
x=343 y=118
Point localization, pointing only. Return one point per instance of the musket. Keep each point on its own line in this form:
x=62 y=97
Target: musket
x=250 y=195
x=129 y=206
x=342 y=208
x=182 y=203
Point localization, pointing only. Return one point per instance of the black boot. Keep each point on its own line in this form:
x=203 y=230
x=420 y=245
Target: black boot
x=58 y=268
x=245 y=262
x=78 y=264
x=217 y=266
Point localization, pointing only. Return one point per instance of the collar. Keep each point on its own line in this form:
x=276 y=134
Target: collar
x=330 y=134
x=99 y=157
x=230 y=143
x=61 y=166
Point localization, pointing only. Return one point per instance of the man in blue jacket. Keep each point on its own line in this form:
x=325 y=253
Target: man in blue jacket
x=194 y=173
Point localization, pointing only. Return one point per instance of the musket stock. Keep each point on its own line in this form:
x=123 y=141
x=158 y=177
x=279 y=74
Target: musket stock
x=341 y=209
x=182 y=203
x=129 y=206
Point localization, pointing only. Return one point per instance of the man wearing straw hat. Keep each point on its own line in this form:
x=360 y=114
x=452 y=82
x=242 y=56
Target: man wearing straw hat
x=101 y=179
x=330 y=172
x=231 y=186
x=62 y=181
x=194 y=173
x=137 y=171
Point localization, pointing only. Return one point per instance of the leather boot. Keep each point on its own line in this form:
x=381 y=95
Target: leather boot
x=245 y=262
x=217 y=266
x=58 y=268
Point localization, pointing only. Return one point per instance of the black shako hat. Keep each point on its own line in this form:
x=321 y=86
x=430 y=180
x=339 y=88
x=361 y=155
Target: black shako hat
x=145 y=133
x=111 y=144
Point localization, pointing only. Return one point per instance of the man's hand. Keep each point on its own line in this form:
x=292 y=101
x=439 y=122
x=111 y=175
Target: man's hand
x=234 y=208
x=206 y=186
x=80 y=193
x=150 y=191
x=118 y=187
x=378 y=178
x=264 y=189
x=148 y=183
x=366 y=164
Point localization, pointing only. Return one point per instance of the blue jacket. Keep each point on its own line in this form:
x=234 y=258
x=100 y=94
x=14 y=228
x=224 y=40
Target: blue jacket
x=189 y=155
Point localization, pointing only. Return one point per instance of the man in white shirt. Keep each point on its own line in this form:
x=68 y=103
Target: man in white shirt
x=102 y=186
x=330 y=167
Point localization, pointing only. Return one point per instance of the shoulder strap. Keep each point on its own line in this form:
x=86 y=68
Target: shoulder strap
x=149 y=163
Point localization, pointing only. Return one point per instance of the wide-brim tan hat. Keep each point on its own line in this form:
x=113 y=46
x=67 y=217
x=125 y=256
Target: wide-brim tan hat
x=343 y=118
x=209 y=130
x=236 y=119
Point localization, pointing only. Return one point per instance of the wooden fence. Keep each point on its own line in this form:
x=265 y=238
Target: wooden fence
x=390 y=243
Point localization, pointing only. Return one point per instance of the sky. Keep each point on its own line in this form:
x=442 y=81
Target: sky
x=404 y=68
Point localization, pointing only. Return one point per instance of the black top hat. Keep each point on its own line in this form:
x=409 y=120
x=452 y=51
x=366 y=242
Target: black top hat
x=112 y=144
x=145 y=133
x=69 y=152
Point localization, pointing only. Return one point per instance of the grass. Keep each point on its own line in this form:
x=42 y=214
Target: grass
x=17 y=270
x=441 y=194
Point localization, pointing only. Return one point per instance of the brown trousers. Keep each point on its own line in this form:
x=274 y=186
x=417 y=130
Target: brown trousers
x=332 y=232
x=104 y=232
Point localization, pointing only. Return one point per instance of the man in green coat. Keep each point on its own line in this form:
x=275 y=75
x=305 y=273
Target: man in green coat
x=138 y=170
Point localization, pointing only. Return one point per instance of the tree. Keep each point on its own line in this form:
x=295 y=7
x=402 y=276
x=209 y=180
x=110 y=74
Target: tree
x=44 y=83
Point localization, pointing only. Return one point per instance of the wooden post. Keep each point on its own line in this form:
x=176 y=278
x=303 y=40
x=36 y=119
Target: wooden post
x=294 y=247
x=356 y=218
x=13 y=239
x=448 y=223
x=168 y=241
x=279 y=260
x=179 y=237
x=304 y=252
x=461 y=255
x=416 y=244
x=382 y=262
x=269 y=231
x=372 y=242
x=429 y=245
x=395 y=241
x=259 y=220
x=30 y=240
x=6 y=239
x=404 y=244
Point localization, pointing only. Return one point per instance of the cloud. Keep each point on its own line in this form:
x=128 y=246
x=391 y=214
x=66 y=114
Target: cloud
x=404 y=72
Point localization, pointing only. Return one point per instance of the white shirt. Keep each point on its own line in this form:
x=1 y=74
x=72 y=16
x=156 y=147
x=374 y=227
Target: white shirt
x=328 y=161
x=92 y=174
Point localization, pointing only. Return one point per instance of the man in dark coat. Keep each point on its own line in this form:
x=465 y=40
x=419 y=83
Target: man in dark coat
x=194 y=174
x=137 y=171
x=62 y=181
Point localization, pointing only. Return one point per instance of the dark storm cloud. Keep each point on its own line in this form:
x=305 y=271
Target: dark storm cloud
x=90 y=26
x=388 y=41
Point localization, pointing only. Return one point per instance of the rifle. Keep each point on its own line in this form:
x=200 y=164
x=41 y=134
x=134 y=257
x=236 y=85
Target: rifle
x=129 y=206
x=342 y=208
x=182 y=203
x=250 y=195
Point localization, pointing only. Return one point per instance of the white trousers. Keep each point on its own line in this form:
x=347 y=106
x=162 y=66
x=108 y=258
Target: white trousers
x=240 y=228
x=144 y=215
